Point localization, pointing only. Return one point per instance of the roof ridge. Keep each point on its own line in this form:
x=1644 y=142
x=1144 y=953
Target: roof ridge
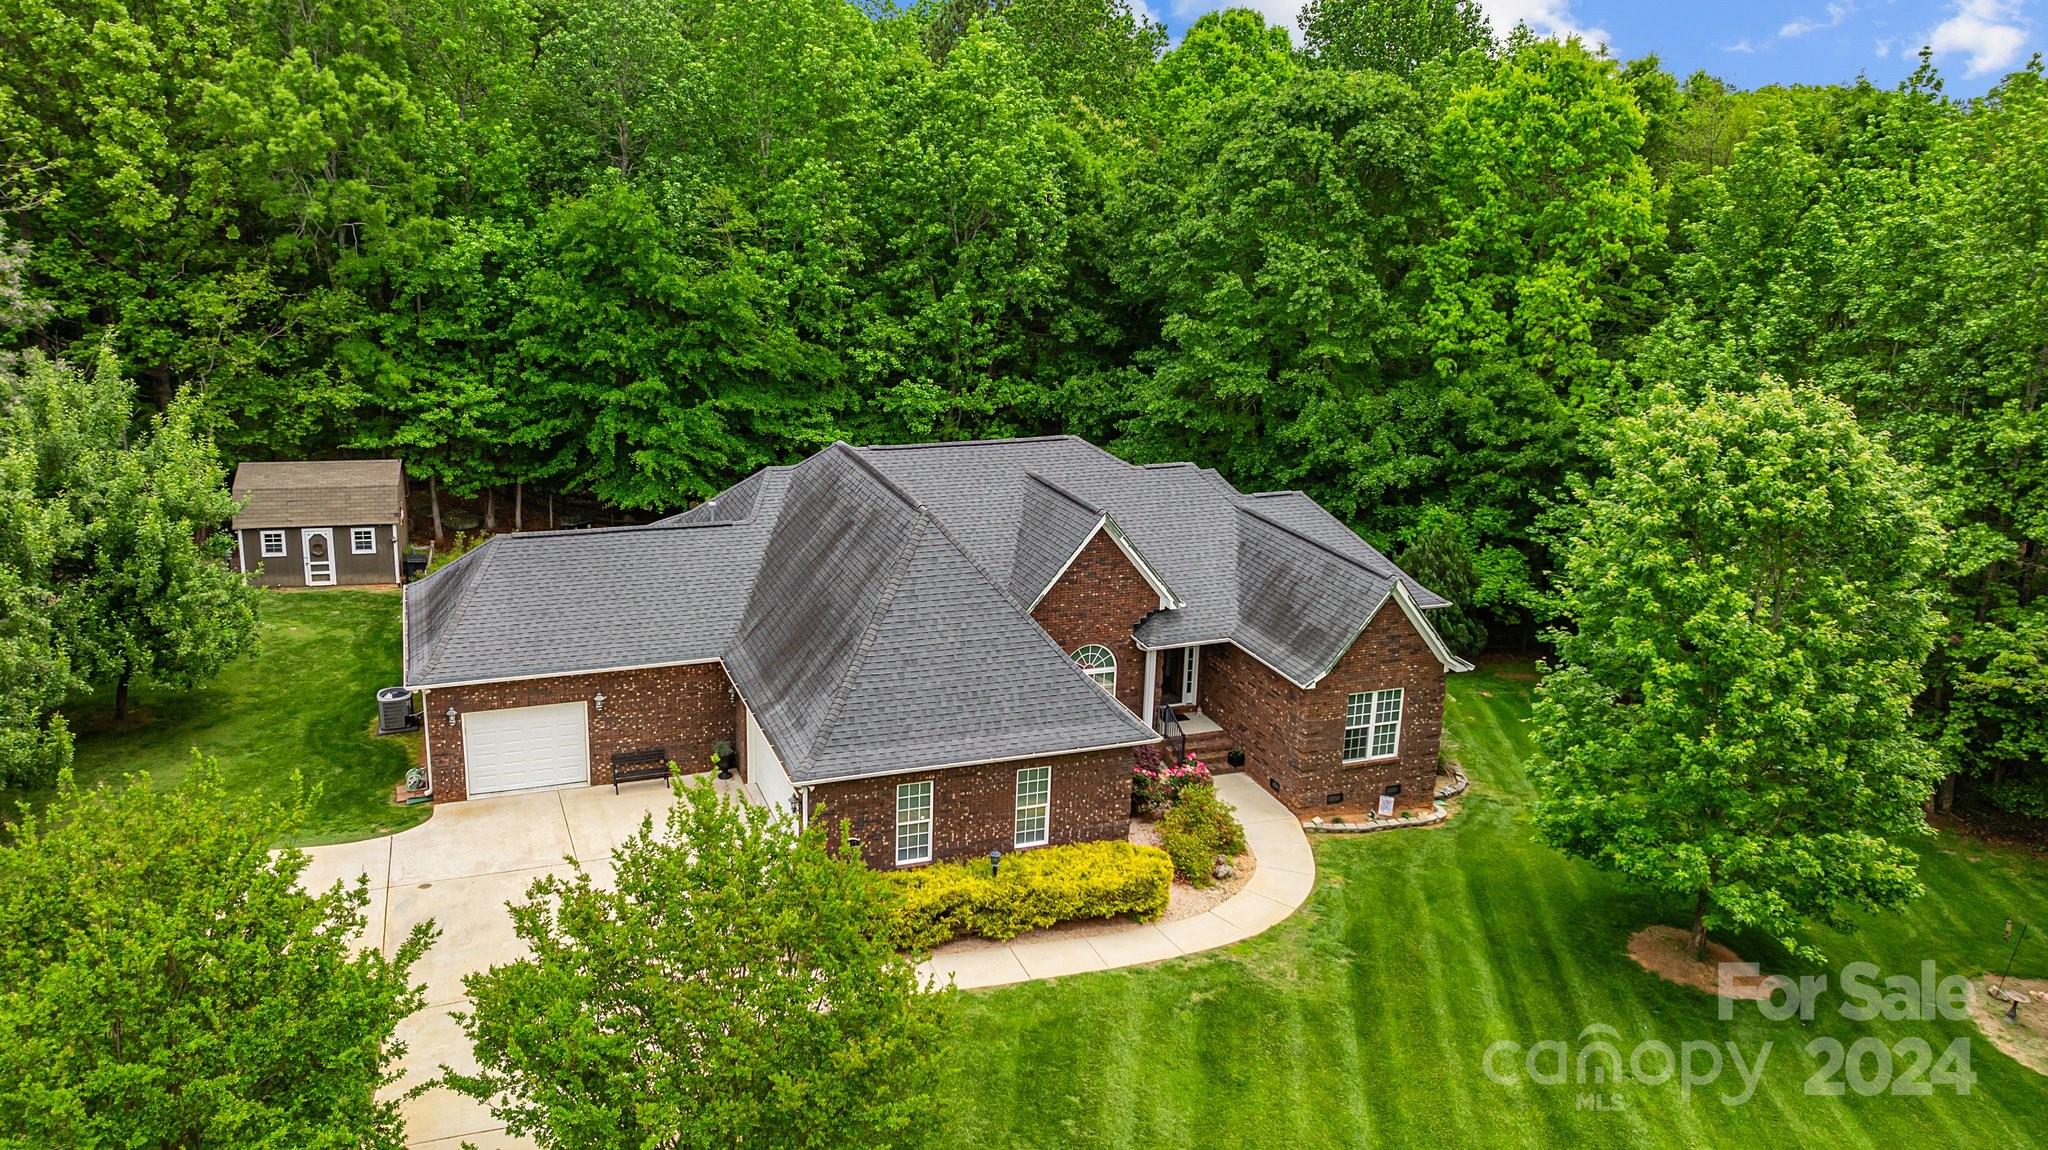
x=877 y=474
x=969 y=443
x=1315 y=543
x=1069 y=496
x=1023 y=613
x=905 y=551
x=662 y=524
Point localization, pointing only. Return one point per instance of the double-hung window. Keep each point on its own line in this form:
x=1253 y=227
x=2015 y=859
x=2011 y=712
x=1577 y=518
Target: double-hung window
x=1034 y=807
x=362 y=540
x=273 y=544
x=913 y=823
x=1372 y=725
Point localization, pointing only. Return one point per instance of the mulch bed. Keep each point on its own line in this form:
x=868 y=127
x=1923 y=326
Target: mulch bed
x=1666 y=951
x=2025 y=1040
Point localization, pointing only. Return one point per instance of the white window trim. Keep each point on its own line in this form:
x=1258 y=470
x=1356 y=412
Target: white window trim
x=927 y=823
x=264 y=539
x=1190 y=676
x=355 y=540
x=1102 y=674
x=1042 y=809
x=1372 y=725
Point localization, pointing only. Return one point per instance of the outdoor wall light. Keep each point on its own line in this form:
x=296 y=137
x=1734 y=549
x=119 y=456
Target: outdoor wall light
x=451 y=716
x=599 y=700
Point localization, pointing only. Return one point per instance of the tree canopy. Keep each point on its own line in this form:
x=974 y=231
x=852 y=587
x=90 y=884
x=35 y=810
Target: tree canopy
x=1413 y=266
x=738 y=986
x=1750 y=583
x=168 y=983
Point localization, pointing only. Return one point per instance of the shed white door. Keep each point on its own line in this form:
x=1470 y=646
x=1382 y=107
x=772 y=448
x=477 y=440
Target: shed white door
x=765 y=771
x=526 y=748
x=318 y=543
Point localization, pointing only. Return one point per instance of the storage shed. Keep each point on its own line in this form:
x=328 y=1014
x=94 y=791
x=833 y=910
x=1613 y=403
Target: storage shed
x=321 y=524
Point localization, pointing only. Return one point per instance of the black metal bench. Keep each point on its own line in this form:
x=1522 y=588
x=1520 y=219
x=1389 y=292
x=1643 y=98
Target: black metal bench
x=633 y=766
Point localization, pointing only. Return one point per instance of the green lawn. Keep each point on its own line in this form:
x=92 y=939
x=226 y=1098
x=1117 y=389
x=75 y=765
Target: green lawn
x=304 y=700
x=1365 y=1019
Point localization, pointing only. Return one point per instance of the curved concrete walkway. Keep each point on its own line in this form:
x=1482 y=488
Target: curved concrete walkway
x=1285 y=874
x=461 y=867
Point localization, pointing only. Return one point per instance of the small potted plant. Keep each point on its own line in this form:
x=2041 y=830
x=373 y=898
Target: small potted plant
x=1234 y=756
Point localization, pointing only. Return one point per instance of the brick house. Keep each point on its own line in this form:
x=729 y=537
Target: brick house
x=953 y=647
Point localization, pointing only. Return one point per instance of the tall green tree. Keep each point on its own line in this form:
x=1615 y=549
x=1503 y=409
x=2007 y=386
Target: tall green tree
x=35 y=670
x=1537 y=288
x=1277 y=237
x=970 y=209
x=1750 y=586
x=1396 y=36
x=140 y=570
x=169 y=984
x=737 y=988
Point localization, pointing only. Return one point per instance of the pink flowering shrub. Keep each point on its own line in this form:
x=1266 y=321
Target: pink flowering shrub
x=1157 y=781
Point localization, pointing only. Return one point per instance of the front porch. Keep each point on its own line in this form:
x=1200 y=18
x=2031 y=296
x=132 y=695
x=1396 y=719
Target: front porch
x=1194 y=735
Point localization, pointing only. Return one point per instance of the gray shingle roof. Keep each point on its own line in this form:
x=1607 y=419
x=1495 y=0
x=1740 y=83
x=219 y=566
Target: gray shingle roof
x=1295 y=510
x=1052 y=526
x=1301 y=604
x=872 y=643
x=313 y=493
x=871 y=604
x=562 y=602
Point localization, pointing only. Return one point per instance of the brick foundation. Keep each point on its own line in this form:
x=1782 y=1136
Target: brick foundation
x=1294 y=738
x=1099 y=599
x=685 y=710
x=974 y=808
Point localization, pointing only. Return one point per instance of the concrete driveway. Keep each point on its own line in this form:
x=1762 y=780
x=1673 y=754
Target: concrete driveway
x=460 y=869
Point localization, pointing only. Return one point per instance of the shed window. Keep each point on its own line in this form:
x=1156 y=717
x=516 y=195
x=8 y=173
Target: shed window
x=1372 y=724
x=1034 y=806
x=273 y=544
x=913 y=823
x=1098 y=664
x=362 y=540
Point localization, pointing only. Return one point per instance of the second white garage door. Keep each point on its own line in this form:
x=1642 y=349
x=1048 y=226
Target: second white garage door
x=526 y=748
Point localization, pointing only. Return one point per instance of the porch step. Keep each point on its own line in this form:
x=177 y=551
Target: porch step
x=1210 y=747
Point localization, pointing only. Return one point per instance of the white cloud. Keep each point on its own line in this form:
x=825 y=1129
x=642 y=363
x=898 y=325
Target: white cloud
x=1551 y=18
x=1990 y=32
x=1800 y=27
x=1740 y=47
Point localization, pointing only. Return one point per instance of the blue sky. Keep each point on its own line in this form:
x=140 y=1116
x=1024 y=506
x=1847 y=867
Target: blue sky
x=1754 y=42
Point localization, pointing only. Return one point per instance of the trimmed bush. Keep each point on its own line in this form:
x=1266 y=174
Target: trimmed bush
x=1198 y=828
x=1033 y=890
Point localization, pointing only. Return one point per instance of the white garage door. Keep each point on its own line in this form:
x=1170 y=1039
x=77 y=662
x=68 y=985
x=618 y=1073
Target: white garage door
x=526 y=748
x=765 y=771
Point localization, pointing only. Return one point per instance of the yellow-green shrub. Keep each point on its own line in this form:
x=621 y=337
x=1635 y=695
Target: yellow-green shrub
x=1032 y=890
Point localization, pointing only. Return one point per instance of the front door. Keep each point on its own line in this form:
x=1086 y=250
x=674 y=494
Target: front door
x=1180 y=671
x=318 y=544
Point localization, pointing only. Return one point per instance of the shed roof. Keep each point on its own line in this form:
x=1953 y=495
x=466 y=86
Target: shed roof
x=319 y=493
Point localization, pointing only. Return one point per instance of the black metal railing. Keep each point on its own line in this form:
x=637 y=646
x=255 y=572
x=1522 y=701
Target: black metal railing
x=1176 y=739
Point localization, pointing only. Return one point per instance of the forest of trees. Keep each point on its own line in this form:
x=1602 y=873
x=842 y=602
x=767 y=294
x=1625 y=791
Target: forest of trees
x=1413 y=265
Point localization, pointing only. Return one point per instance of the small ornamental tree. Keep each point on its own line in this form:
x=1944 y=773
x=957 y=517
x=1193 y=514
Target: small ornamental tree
x=738 y=988
x=165 y=982
x=1749 y=585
